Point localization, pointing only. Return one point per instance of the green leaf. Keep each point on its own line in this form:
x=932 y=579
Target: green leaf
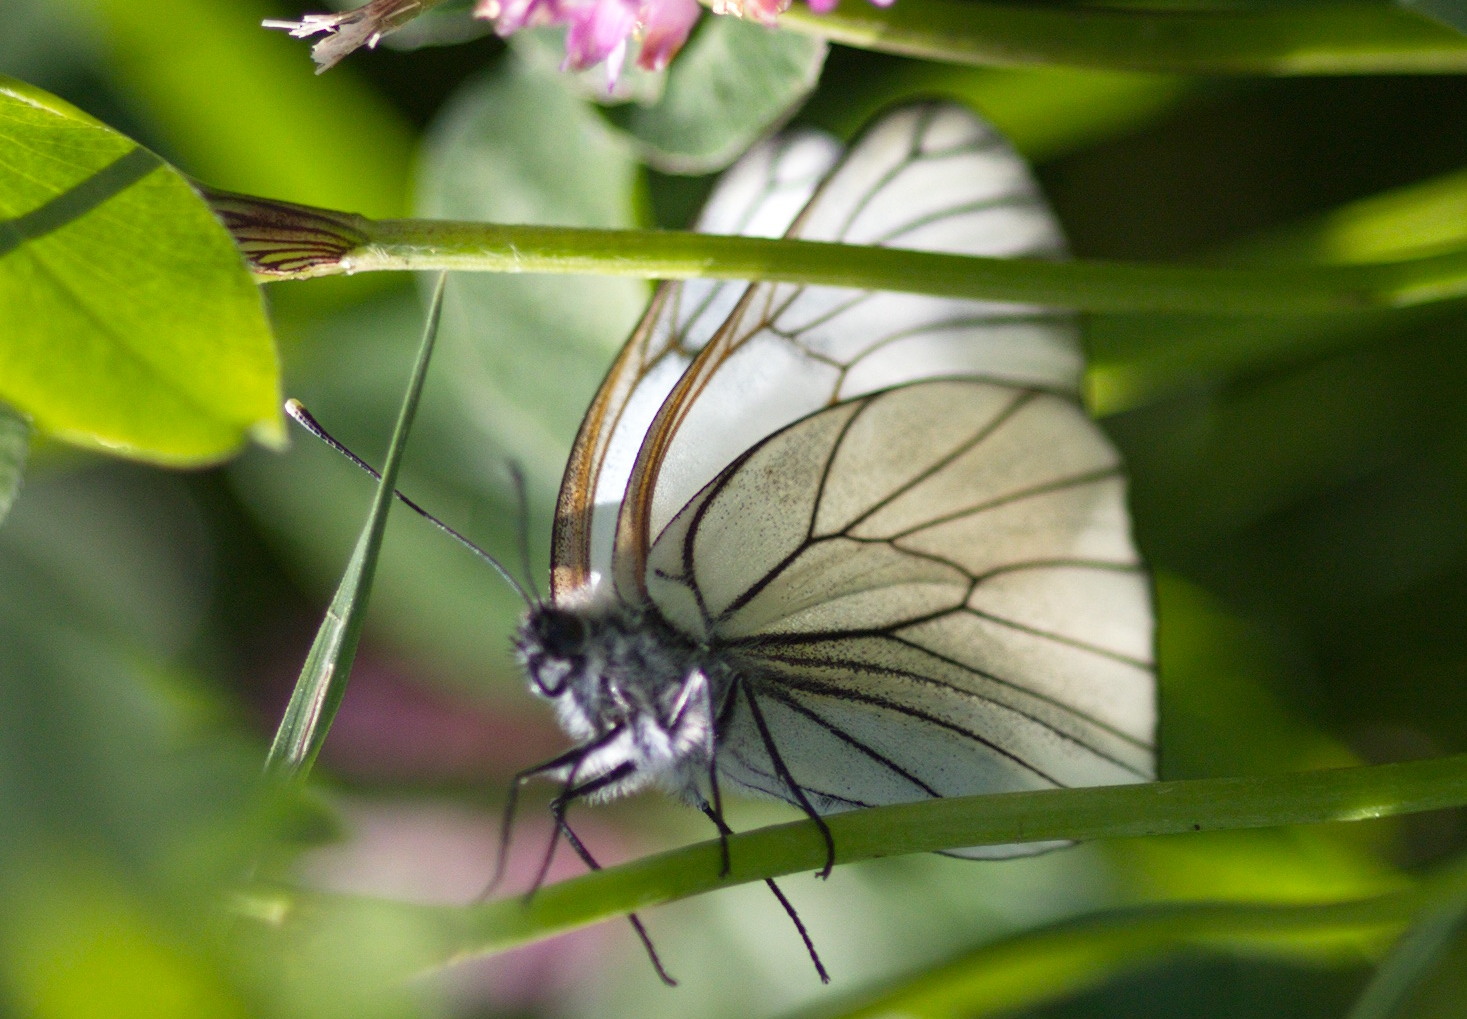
x=132 y=324
x=15 y=442
x=242 y=109
x=322 y=683
x=734 y=82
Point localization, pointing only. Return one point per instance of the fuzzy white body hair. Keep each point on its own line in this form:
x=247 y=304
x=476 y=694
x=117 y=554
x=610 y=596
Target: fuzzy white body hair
x=632 y=691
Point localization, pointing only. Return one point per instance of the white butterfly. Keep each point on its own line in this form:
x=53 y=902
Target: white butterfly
x=846 y=548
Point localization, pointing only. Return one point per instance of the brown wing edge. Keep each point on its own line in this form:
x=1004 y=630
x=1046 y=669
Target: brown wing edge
x=632 y=525
x=570 y=542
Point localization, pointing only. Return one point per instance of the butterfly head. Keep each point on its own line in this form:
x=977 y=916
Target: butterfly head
x=555 y=646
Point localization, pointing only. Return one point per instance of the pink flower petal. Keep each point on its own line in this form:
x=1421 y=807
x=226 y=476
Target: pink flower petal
x=597 y=29
x=665 y=27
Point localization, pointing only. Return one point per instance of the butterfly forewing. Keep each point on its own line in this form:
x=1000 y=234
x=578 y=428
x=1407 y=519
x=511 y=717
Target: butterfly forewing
x=934 y=591
x=760 y=197
x=928 y=177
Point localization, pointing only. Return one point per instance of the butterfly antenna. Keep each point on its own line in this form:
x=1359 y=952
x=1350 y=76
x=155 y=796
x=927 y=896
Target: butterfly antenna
x=522 y=492
x=303 y=417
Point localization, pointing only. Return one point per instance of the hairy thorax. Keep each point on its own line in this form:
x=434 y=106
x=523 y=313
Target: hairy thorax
x=636 y=695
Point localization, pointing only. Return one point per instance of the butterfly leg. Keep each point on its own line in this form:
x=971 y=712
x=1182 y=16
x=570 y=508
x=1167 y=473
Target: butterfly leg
x=569 y=759
x=572 y=792
x=715 y=814
x=715 y=811
x=783 y=772
x=558 y=807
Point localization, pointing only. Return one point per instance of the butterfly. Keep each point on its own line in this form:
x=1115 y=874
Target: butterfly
x=841 y=547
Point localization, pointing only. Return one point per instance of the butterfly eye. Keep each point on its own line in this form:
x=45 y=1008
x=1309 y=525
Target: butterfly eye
x=562 y=634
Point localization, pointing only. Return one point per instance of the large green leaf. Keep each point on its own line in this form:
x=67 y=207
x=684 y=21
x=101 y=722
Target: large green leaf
x=733 y=82
x=131 y=323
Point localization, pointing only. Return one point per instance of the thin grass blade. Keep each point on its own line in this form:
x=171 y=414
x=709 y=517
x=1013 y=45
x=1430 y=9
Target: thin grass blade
x=1417 y=951
x=15 y=441
x=322 y=683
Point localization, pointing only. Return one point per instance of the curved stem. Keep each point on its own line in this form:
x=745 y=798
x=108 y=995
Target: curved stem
x=1052 y=814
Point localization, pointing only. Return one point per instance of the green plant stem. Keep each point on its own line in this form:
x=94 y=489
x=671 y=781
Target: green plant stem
x=1339 y=38
x=1079 y=814
x=1085 y=285
x=286 y=241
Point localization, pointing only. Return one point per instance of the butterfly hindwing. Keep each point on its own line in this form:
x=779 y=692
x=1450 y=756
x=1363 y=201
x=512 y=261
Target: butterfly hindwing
x=931 y=591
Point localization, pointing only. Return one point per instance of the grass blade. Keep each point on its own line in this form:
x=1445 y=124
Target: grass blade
x=15 y=436
x=323 y=679
x=1413 y=955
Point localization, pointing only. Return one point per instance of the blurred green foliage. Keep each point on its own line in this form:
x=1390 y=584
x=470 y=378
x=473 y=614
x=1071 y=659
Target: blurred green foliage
x=1300 y=485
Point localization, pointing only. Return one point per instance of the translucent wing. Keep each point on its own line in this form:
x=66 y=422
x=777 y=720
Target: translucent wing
x=760 y=196
x=928 y=177
x=931 y=591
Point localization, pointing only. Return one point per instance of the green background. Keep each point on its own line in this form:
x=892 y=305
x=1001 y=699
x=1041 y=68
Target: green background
x=1299 y=484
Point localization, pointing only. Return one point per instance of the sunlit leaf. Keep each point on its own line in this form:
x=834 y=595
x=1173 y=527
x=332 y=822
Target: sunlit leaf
x=131 y=323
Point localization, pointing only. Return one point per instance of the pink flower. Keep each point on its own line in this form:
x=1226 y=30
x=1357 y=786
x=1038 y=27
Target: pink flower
x=597 y=31
x=601 y=31
x=665 y=27
x=511 y=16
